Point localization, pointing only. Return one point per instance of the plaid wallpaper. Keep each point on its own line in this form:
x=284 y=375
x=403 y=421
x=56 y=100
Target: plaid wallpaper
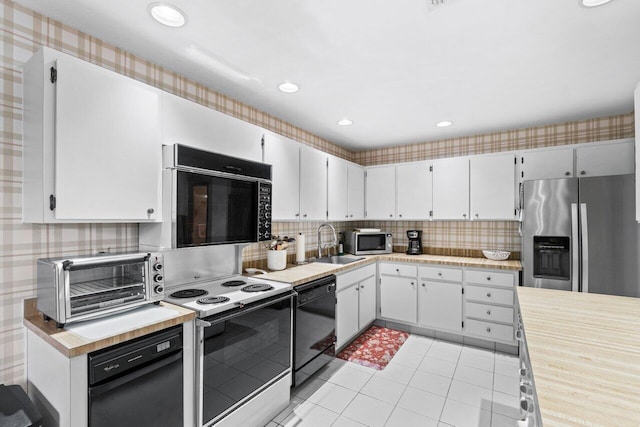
x=23 y=31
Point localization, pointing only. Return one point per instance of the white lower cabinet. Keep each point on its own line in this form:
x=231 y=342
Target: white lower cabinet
x=488 y=304
x=356 y=302
x=440 y=303
x=398 y=292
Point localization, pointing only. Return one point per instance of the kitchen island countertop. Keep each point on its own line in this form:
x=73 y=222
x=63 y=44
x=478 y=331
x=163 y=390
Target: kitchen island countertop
x=71 y=343
x=299 y=274
x=585 y=356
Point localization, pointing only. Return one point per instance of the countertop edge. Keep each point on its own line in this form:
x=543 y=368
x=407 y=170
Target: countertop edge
x=55 y=337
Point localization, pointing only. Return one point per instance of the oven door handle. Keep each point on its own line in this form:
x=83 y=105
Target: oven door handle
x=205 y=323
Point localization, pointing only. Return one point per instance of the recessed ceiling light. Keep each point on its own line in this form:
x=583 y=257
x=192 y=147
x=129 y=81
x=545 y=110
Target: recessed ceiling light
x=345 y=122
x=288 y=87
x=444 y=124
x=167 y=14
x=593 y=3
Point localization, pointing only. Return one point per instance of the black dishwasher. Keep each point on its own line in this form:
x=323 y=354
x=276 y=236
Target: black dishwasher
x=138 y=383
x=314 y=334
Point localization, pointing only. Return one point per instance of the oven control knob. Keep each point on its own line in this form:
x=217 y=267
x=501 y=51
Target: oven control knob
x=159 y=289
x=157 y=266
x=158 y=278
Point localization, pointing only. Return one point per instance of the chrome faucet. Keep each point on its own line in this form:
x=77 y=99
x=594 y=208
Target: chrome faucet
x=333 y=243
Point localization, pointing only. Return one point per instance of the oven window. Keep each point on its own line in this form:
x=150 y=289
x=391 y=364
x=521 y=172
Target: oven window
x=372 y=242
x=243 y=354
x=214 y=210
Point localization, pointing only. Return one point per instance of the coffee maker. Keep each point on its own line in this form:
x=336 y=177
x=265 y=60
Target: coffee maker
x=415 y=242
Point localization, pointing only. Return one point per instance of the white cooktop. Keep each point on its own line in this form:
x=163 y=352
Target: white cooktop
x=233 y=296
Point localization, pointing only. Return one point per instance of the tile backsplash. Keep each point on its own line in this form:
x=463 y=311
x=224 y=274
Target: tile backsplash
x=24 y=31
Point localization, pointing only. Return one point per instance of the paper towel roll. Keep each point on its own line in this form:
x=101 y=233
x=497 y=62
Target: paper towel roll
x=301 y=247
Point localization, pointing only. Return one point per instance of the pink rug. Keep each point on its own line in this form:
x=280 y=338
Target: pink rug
x=375 y=347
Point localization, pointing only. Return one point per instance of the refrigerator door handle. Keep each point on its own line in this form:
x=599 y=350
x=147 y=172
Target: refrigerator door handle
x=575 y=251
x=584 y=245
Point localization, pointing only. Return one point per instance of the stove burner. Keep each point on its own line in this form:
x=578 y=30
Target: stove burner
x=233 y=283
x=258 y=287
x=213 y=300
x=189 y=293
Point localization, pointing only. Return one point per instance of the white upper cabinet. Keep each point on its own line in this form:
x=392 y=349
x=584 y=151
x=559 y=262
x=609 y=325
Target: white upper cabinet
x=615 y=158
x=356 y=192
x=337 y=189
x=92 y=150
x=195 y=125
x=451 y=188
x=313 y=184
x=545 y=164
x=283 y=155
x=492 y=187
x=381 y=192
x=413 y=182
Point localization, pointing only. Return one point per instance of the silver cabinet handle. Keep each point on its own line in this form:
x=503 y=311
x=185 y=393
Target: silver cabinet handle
x=583 y=173
x=464 y=215
x=477 y=216
x=390 y=215
x=357 y=289
x=440 y=273
x=304 y=216
x=411 y=283
x=424 y=286
x=361 y=286
x=150 y=211
x=488 y=312
x=346 y=216
x=298 y=214
x=567 y=173
x=488 y=294
x=400 y=215
x=488 y=278
x=351 y=216
x=489 y=330
x=397 y=270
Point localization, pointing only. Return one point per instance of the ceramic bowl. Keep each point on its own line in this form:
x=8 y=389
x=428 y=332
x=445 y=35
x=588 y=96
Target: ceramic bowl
x=497 y=255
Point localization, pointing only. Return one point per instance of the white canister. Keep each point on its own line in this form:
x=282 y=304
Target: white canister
x=277 y=260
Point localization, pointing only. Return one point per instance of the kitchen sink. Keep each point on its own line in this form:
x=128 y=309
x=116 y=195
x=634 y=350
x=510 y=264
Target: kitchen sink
x=337 y=260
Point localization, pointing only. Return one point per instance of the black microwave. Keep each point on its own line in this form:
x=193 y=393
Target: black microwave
x=215 y=199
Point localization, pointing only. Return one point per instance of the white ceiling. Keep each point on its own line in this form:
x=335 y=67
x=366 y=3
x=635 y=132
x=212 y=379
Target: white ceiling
x=394 y=67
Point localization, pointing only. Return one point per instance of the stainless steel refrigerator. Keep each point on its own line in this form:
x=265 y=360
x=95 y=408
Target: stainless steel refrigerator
x=580 y=234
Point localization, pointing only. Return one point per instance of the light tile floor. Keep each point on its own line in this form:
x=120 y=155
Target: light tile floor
x=428 y=383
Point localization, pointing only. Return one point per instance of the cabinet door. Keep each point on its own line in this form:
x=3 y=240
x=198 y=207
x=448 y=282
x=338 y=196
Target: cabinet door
x=108 y=155
x=355 y=192
x=381 y=192
x=440 y=305
x=607 y=159
x=398 y=299
x=413 y=186
x=367 y=292
x=451 y=188
x=197 y=126
x=546 y=164
x=492 y=187
x=337 y=189
x=283 y=155
x=346 y=314
x=313 y=184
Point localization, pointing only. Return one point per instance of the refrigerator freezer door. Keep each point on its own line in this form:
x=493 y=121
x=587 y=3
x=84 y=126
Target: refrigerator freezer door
x=547 y=243
x=613 y=265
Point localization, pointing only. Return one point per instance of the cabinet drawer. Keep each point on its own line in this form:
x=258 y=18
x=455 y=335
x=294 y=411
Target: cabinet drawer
x=398 y=270
x=347 y=279
x=488 y=312
x=489 y=330
x=441 y=273
x=490 y=278
x=490 y=295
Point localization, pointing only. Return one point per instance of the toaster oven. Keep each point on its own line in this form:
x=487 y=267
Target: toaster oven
x=82 y=288
x=368 y=242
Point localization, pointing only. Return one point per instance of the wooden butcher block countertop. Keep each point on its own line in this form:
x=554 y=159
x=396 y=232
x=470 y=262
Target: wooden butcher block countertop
x=84 y=337
x=299 y=274
x=585 y=356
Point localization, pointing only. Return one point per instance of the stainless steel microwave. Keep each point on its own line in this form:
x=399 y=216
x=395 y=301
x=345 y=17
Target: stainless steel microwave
x=368 y=243
x=210 y=199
